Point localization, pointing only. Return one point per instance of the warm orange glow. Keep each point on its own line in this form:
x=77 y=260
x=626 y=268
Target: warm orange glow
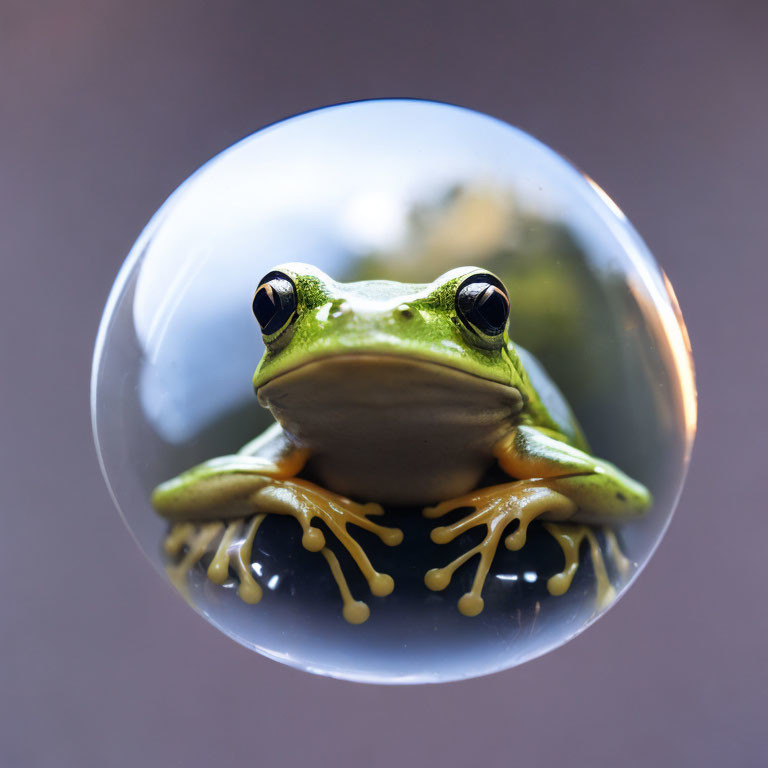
x=647 y=293
x=680 y=345
x=606 y=198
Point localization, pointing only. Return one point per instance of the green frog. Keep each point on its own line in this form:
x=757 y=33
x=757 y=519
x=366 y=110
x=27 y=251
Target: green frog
x=388 y=394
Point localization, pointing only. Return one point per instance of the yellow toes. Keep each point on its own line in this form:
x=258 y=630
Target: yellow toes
x=471 y=604
x=522 y=501
x=441 y=535
x=313 y=539
x=232 y=549
x=391 y=536
x=381 y=584
x=437 y=579
x=356 y=612
x=570 y=537
x=250 y=592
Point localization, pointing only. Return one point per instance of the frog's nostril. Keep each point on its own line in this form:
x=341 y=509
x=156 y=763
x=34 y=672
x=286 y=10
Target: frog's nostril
x=404 y=311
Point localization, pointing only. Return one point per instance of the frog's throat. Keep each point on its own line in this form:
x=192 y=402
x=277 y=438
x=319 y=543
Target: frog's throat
x=392 y=429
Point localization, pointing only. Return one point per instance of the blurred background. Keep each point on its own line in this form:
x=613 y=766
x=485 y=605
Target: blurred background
x=105 y=108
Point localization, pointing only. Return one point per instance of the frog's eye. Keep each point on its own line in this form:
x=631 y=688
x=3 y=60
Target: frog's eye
x=483 y=305
x=274 y=303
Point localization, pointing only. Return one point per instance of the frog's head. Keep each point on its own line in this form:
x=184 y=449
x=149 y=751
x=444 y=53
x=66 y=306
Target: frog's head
x=457 y=321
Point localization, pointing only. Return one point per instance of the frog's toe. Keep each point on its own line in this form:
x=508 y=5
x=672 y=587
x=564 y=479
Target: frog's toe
x=441 y=535
x=382 y=584
x=391 y=536
x=471 y=604
x=313 y=539
x=356 y=612
x=570 y=538
x=436 y=579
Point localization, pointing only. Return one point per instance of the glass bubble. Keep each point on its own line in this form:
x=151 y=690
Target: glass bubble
x=403 y=190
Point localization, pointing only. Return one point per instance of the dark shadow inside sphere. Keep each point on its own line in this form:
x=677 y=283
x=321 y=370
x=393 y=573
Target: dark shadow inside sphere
x=300 y=592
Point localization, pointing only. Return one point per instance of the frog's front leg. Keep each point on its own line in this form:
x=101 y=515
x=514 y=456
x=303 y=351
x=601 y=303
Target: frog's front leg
x=556 y=482
x=221 y=503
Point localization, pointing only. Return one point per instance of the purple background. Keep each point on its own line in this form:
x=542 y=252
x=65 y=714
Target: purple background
x=106 y=107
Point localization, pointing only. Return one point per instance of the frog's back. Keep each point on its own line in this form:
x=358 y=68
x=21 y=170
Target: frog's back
x=548 y=407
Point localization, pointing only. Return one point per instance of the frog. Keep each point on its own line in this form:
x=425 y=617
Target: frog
x=389 y=395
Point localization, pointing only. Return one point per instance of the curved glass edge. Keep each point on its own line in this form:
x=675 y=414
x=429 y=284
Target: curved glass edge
x=619 y=226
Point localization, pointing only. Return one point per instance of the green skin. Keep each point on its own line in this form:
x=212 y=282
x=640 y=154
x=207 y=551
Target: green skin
x=537 y=443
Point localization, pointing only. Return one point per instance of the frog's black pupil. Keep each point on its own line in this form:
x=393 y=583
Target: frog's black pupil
x=493 y=306
x=483 y=305
x=274 y=303
x=265 y=304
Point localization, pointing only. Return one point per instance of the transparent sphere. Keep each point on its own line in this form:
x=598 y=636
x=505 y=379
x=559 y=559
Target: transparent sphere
x=400 y=190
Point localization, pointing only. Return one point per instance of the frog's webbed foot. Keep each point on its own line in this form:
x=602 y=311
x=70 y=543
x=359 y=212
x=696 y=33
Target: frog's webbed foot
x=495 y=508
x=305 y=501
x=570 y=538
x=234 y=543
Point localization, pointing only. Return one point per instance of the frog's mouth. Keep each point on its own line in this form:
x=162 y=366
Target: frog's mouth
x=351 y=381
